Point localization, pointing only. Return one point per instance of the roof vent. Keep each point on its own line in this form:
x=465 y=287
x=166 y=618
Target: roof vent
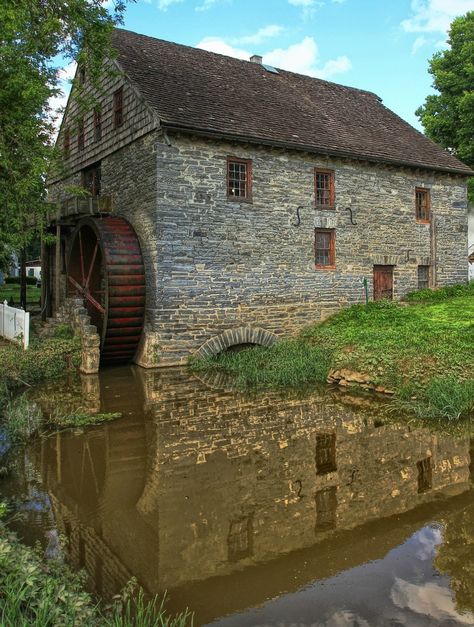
x=270 y=68
x=256 y=58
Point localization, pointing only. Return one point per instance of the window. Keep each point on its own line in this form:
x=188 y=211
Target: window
x=325 y=453
x=81 y=74
x=97 y=125
x=80 y=135
x=239 y=540
x=422 y=204
x=239 y=179
x=67 y=143
x=91 y=179
x=425 y=482
x=326 y=509
x=118 y=107
x=324 y=248
x=423 y=277
x=324 y=189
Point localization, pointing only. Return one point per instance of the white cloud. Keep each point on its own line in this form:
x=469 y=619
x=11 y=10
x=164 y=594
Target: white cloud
x=418 y=43
x=302 y=57
x=207 y=4
x=215 y=44
x=429 y=599
x=435 y=15
x=164 y=4
x=273 y=30
x=302 y=3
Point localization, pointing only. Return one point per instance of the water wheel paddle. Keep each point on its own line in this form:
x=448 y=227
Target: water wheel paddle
x=105 y=268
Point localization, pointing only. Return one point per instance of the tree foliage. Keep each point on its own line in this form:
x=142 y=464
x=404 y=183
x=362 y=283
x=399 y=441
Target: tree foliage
x=448 y=116
x=36 y=38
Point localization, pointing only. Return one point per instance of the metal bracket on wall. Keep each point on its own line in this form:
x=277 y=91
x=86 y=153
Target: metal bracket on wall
x=349 y=209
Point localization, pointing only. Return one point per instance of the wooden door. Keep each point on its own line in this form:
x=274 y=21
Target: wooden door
x=383 y=282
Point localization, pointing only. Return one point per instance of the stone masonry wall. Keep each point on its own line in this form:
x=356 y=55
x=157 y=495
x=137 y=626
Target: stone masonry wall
x=224 y=265
x=214 y=265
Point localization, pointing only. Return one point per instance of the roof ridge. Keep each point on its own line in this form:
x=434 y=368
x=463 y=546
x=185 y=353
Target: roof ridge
x=247 y=61
x=201 y=91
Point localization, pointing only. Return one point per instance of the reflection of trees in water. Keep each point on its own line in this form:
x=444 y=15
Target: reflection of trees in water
x=455 y=557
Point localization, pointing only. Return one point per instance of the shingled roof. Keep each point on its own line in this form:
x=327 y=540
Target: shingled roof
x=213 y=94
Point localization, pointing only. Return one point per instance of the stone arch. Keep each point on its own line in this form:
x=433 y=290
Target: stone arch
x=234 y=337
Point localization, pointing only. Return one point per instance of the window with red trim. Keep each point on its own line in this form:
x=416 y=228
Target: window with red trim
x=239 y=179
x=80 y=135
x=91 y=179
x=324 y=248
x=324 y=189
x=422 y=204
x=67 y=143
x=97 y=125
x=118 y=107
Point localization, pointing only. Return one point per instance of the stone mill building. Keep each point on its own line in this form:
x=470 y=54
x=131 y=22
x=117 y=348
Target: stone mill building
x=233 y=203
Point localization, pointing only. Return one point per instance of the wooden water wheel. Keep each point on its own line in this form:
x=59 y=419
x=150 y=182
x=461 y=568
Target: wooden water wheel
x=105 y=268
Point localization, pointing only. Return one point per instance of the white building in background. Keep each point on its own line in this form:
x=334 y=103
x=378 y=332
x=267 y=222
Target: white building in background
x=33 y=268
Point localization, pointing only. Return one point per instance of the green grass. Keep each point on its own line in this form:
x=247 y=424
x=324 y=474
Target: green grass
x=427 y=347
x=397 y=345
x=441 y=400
x=284 y=364
x=45 y=594
x=443 y=293
x=11 y=292
x=44 y=359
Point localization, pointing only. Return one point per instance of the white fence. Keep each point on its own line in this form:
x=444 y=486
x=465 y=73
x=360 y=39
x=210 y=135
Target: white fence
x=15 y=324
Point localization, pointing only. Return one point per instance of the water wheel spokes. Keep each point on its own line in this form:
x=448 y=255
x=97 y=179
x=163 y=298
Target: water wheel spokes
x=105 y=268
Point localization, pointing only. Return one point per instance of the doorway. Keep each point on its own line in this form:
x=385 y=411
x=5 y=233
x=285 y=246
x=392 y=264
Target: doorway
x=383 y=282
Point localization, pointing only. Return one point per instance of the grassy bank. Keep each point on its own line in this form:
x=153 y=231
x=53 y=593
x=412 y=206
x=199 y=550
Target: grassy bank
x=424 y=352
x=47 y=593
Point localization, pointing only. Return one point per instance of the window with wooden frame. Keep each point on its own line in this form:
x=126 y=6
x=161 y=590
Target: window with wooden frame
x=325 y=453
x=81 y=75
x=118 y=107
x=324 y=189
x=67 y=143
x=239 y=179
x=326 y=509
x=239 y=539
x=422 y=204
x=80 y=135
x=91 y=179
x=325 y=248
x=97 y=125
x=425 y=475
x=423 y=277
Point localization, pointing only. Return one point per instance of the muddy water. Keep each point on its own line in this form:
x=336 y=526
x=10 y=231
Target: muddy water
x=262 y=509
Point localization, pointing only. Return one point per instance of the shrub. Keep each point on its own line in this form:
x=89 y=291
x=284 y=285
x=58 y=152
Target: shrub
x=30 y=280
x=443 y=293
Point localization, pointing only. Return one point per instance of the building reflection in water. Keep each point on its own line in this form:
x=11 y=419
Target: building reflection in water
x=200 y=490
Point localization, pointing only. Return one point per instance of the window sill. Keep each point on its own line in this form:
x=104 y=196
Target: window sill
x=325 y=207
x=318 y=267
x=239 y=199
x=423 y=221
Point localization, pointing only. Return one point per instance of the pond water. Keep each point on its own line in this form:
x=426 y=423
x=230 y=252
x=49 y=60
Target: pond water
x=254 y=509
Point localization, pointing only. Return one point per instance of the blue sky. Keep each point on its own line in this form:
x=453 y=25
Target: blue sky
x=379 y=45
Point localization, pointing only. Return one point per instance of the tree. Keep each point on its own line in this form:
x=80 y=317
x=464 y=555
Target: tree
x=35 y=38
x=448 y=117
